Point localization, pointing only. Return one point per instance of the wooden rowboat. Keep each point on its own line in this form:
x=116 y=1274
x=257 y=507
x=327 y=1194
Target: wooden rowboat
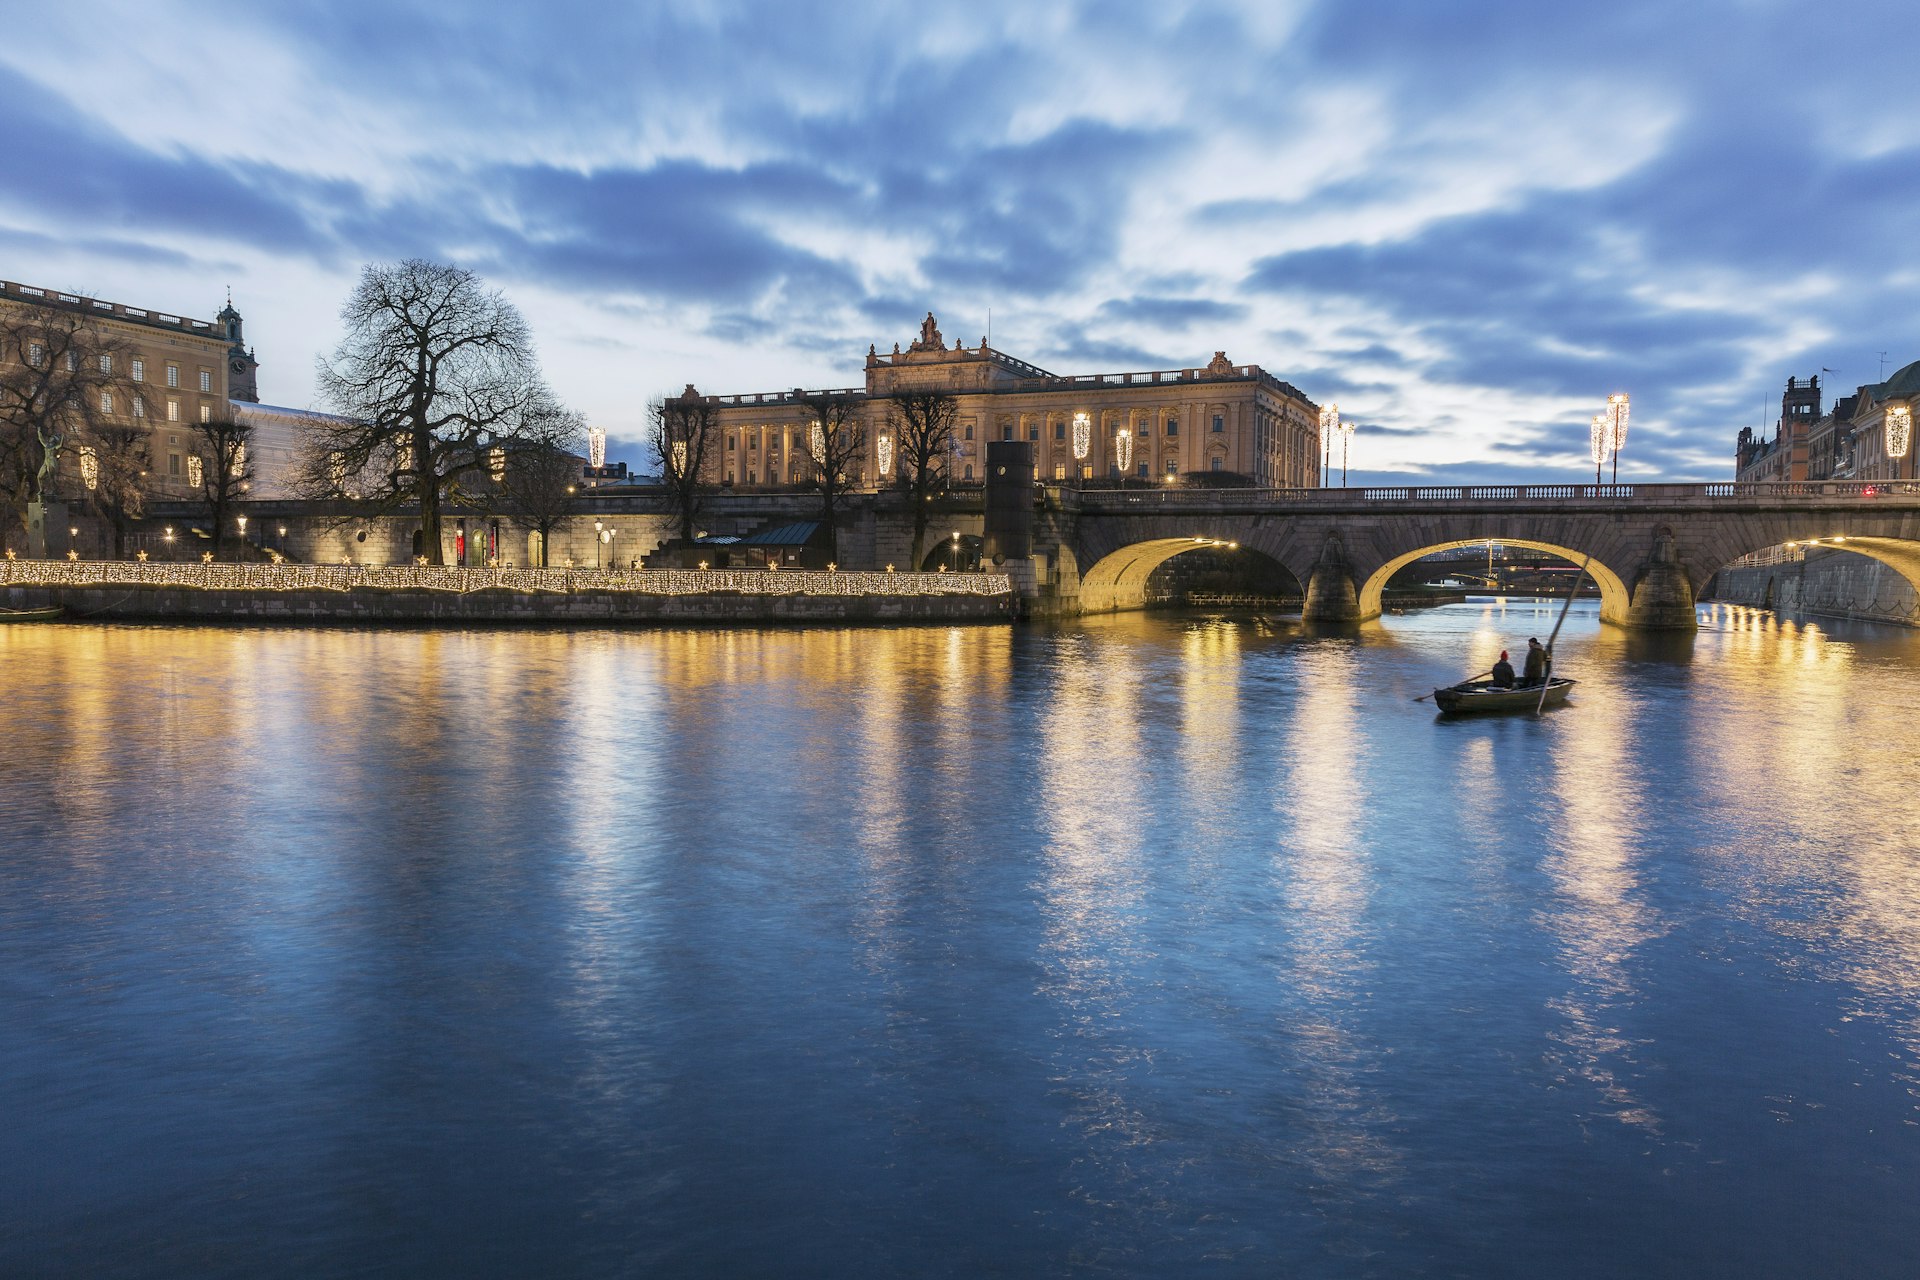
x=1480 y=695
x=52 y=613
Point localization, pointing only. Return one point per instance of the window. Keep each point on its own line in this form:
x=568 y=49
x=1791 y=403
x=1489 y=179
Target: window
x=1060 y=433
x=139 y=407
x=1033 y=431
x=206 y=413
x=729 y=443
x=194 y=471
x=969 y=434
x=173 y=464
x=106 y=402
x=1219 y=422
x=1146 y=428
x=173 y=411
x=73 y=362
x=206 y=379
x=106 y=364
x=35 y=354
x=1173 y=467
x=1006 y=432
x=969 y=472
x=1059 y=471
x=1173 y=425
x=1218 y=464
x=139 y=369
x=1141 y=470
x=173 y=375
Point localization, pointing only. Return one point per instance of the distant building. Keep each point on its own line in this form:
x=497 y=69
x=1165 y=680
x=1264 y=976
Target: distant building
x=1874 y=459
x=1158 y=425
x=1848 y=442
x=1785 y=457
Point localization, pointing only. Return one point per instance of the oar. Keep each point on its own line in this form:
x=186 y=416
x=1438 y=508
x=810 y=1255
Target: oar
x=1469 y=680
x=1546 y=681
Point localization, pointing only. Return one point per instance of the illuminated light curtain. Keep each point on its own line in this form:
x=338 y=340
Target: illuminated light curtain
x=1899 y=430
x=497 y=464
x=679 y=457
x=1617 y=422
x=1599 y=438
x=89 y=467
x=817 y=444
x=596 y=447
x=1123 y=449
x=1082 y=436
x=883 y=455
x=195 y=471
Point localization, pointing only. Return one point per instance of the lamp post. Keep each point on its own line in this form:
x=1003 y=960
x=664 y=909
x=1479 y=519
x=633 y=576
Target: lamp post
x=1346 y=446
x=953 y=553
x=1599 y=441
x=1329 y=423
x=242 y=522
x=598 y=542
x=1082 y=443
x=606 y=539
x=1617 y=428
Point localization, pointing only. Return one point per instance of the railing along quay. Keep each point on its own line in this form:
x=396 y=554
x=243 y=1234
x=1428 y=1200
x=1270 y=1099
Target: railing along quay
x=326 y=577
x=1096 y=499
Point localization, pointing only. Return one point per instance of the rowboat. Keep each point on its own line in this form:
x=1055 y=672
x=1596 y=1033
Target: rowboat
x=1481 y=695
x=52 y=613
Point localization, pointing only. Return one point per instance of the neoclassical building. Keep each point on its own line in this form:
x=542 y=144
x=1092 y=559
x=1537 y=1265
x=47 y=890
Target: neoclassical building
x=1156 y=425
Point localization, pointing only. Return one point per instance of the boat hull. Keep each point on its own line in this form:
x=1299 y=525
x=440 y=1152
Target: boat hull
x=1474 y=697
x=52 y=613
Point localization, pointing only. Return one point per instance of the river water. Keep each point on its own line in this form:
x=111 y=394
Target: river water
x=1150 y=946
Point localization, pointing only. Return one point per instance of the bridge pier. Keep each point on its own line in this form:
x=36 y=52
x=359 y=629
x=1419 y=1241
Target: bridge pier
x=1331 y=595
x=1663 y=594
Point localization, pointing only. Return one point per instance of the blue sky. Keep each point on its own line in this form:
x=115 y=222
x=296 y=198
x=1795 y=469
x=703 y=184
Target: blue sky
x=1466 y=223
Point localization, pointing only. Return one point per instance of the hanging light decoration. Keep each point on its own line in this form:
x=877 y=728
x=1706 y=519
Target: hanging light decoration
x=883 y=454
x=596 y=446
x=1899 y=430
x=89 y=467
x=1599 y=438
x=679 y=457
x=497 y=464
x=1082 y=436
x=195 y=470
x=1123 y=449
x=817 y=444
x=1617 y=428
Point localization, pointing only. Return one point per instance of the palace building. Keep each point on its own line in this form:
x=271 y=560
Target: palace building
x=1217 y=418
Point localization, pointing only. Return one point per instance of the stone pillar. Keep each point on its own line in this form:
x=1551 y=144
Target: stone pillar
x=1331 y=595
x=1663 y=595
x=42 y=516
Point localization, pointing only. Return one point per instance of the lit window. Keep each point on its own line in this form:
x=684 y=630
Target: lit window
x=497 y=462
x=106 y=402
x=139 y=407
x=1059 y=471
x=35 y=354
x=206 y=380
x=194 y=471
x=106 y=364
x=173 y=375
x=206 y=413
x=73 y=362
x=139 y=369
x=173 y=411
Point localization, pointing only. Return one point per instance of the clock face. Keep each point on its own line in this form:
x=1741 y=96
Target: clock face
x=239 y=366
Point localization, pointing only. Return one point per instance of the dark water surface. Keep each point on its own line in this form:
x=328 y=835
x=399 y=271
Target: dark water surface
x=1151 y=947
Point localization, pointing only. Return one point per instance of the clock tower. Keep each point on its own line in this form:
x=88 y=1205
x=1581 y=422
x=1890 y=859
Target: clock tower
x=242 y=384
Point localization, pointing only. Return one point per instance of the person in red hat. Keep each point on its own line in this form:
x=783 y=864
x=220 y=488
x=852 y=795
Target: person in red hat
x=1503 y=672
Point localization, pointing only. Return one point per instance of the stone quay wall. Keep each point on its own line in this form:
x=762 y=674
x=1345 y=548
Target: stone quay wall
x=1834 y=584
x=335 y=594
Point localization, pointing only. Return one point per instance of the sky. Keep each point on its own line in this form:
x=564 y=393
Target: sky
x=1467 y=223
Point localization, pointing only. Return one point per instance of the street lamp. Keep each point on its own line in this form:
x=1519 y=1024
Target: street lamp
x=1082 y=443
x=1599 y=441
x=1329 y=423
x=953 y=552
x=1617 y=428
x=242 y=522
x=1346 y=446
x=598 y=541
x=606 y=539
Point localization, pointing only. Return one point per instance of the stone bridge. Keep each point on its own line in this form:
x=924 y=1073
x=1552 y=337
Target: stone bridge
x=1652 y=548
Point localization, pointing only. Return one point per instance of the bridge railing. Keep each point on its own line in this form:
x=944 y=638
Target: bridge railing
x=1097 y=499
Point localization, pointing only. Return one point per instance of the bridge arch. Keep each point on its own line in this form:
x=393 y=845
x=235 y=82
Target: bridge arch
x=1118 y=580
x=1615 y=595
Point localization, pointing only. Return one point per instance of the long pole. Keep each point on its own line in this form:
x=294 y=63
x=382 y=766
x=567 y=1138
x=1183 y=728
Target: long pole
x=1546 y=682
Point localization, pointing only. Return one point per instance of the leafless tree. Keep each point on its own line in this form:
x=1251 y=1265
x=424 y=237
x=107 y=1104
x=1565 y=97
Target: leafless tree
x=923 y=424
x=61 y=378
x=836 y=437
x=221 y=445
x=681 y=430
x=541 y=476
x=435 y=372
x=113 y=471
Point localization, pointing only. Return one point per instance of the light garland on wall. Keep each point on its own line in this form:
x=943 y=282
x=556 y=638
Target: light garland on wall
x=1899 y=430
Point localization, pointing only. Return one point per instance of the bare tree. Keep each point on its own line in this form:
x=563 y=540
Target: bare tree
x=923 y=424
x=61 y=378
x=681 y=429
x=220 y=446
x=541 y=476
x=836 y=438
x=434 y=373
x=113 y=473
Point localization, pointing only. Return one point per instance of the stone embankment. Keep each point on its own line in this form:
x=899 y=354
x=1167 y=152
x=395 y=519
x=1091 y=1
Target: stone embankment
x=1834 y=584
x=331 y=595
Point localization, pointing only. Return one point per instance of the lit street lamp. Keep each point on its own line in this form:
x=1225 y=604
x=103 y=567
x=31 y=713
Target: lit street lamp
x=1617 y=428
x=606 y=540
x=1346 y=446
x=598 y=542
x=953 y=552
x=1329 y=423
x=1599 y=442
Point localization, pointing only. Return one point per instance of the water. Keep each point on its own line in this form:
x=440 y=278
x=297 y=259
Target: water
x=1155 y=946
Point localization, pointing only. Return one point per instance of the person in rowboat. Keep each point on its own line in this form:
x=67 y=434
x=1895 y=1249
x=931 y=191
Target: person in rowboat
x=1503 y=672
x=1538 y=664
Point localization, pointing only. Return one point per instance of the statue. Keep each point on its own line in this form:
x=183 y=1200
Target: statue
x=49 y=460
x=930 y=339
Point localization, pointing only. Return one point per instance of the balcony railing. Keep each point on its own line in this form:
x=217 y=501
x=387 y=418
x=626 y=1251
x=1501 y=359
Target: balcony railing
x=1096 y=499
